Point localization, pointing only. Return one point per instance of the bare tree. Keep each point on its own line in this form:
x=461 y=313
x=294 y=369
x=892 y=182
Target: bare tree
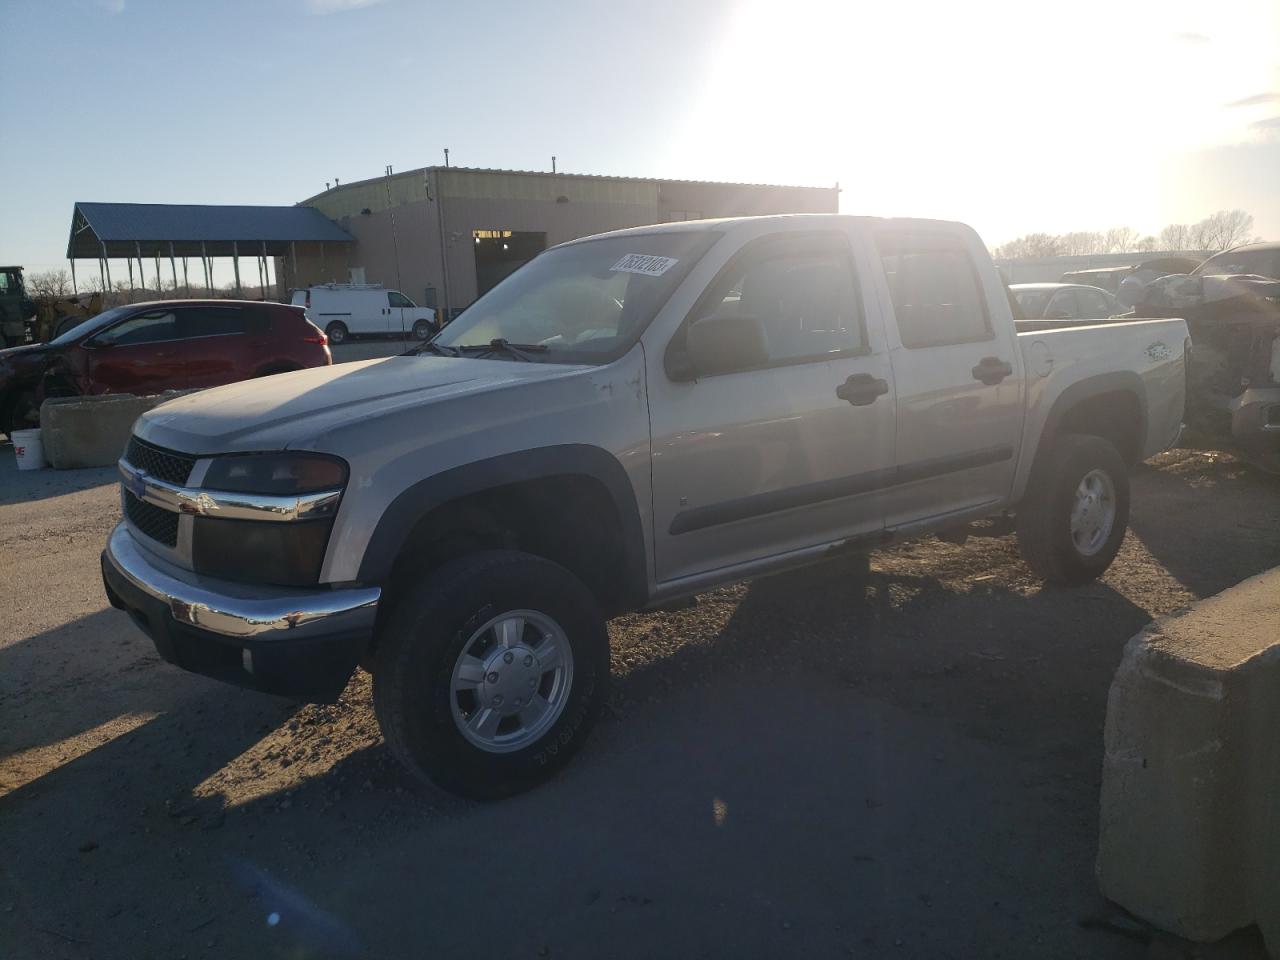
x=1175 y=236
x=50 y=284
x=1120 y=240
x=1081 y=243
x=1030 y=246
x=1222 y=230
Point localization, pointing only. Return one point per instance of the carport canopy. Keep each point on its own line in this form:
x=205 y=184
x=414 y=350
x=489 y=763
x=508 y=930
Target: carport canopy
x=193 y=230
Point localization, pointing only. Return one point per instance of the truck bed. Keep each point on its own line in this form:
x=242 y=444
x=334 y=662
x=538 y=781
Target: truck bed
x=1116 y=352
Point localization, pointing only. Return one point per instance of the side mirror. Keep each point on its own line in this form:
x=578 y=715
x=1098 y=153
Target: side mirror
x=722 y=343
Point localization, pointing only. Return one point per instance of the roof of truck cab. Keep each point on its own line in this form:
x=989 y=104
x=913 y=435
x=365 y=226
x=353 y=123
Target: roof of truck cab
x=689 y=226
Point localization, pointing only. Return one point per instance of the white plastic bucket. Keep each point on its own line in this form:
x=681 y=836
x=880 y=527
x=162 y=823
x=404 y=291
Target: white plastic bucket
x=29 y=449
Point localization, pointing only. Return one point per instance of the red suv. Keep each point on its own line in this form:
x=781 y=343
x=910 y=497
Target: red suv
x=148 y=347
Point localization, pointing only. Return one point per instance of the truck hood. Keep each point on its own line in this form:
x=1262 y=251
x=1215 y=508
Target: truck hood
x=297 y=409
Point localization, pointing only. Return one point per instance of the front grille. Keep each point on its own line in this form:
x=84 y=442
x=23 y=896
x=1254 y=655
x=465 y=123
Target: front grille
x=158 y=462
x=158 y=524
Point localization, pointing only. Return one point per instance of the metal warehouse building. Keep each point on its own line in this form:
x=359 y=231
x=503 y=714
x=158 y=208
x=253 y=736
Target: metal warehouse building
x=445 y=235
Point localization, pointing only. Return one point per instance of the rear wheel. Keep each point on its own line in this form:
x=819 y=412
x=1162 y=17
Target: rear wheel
x=489 y=675
x=1074 y=517
x=336 y=332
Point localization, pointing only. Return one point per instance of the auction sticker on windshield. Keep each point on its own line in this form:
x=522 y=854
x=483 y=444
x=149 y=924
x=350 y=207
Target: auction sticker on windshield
x=643 y=263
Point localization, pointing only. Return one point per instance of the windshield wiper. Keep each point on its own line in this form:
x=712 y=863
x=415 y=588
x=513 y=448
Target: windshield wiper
x=432 y=347
x=519 y=351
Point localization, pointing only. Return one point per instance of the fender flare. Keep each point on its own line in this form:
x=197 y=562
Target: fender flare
x=401 y=517
x=1118 y=381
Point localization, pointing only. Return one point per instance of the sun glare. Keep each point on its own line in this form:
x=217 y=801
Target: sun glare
x=972 y=110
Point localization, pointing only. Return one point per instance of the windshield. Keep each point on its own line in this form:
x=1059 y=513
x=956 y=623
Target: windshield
x=583 y=302
x=92 y=324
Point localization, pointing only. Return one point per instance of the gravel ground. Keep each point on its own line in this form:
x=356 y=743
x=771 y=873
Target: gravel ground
x=833 y=762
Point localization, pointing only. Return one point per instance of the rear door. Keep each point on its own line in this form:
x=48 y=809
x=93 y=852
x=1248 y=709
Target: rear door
x=958 y=374
x=137 y=355
x=214 y=346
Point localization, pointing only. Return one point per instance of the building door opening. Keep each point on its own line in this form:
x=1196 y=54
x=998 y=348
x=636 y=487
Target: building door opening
x=499 y=252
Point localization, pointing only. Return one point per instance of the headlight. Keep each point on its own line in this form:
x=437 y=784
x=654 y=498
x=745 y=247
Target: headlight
x=276 y=473
x=288 y=553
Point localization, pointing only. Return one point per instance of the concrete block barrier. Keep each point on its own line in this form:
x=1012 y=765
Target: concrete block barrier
x=1190 y=819
x=91 y=431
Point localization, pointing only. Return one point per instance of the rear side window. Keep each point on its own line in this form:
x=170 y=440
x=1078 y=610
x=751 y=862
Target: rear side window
x=1063 y=306
x=933 y=283
x=1093 y=305
x=213 y=321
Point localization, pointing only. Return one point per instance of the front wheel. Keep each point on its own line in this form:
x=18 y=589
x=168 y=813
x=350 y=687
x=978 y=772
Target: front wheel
x=490 y=674
x=423 y=329
x=336 y=332
x=1076 y=510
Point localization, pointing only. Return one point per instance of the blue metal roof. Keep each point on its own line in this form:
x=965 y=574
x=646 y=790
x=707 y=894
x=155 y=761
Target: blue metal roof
x=124 y=227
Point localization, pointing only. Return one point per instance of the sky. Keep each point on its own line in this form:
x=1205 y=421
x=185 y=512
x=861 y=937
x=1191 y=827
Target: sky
x=1015 y=116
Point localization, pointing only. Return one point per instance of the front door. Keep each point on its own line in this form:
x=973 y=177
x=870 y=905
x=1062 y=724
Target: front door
x=754 y=463
x=137 y=355
x=959 y=376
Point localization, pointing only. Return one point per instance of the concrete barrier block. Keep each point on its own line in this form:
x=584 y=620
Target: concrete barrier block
x=1190 y=818
x=91 y=431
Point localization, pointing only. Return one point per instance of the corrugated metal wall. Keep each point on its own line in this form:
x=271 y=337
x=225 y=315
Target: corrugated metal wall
x=562 y=206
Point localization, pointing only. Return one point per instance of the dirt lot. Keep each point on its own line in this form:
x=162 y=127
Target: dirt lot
x=824 y=763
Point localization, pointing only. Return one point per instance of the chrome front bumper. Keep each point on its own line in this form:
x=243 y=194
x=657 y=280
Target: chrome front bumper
x=297 y=643
x=236 y=610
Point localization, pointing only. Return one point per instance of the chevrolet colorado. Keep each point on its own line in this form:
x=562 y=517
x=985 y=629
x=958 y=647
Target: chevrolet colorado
x=627 y=419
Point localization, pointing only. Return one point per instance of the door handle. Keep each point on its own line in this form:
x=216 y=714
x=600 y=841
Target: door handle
x=862 y=389
x=991 y=370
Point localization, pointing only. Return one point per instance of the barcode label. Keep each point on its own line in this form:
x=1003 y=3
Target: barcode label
x=643 y=263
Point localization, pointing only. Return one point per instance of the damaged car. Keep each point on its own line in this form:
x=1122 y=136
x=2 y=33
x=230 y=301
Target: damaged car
x=1233 y=375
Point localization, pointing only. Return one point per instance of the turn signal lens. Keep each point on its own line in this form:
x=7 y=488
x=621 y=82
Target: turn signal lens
x=276 y=473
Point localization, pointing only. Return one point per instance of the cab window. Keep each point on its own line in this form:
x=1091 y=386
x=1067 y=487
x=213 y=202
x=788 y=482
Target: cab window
x=934 y=287
x=397 y=299
x=803 y=293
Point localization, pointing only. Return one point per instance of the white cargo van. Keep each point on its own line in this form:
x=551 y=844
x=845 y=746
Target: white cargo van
x=360 y=309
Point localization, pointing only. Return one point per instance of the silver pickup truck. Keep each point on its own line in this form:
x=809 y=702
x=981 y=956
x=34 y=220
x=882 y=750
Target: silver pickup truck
x=628 y=419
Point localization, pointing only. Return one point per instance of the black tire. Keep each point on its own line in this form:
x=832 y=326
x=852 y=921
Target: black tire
x=427 y=629
x=1044 y=516
x=336 y=332
x=423 y=329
